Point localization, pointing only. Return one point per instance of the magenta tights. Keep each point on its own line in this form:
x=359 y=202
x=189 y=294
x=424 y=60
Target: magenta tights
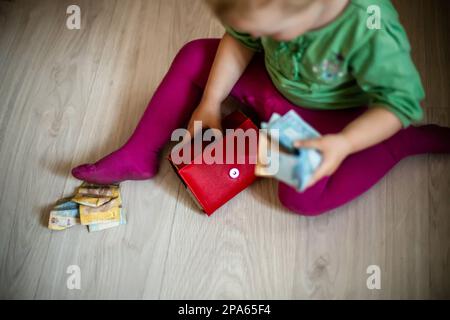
x=180 y=92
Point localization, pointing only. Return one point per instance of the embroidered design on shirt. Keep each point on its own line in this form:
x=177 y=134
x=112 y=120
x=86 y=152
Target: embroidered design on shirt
x=289 y=55
x=331 y=69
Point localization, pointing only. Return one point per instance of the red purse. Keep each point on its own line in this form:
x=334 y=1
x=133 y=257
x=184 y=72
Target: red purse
x=213 y=185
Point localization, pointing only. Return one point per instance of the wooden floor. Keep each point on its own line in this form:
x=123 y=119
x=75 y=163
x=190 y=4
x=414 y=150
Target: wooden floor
x=67 y=97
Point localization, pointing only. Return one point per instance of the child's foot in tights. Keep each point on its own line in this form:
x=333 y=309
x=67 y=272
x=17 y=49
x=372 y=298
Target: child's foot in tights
x=123 y=164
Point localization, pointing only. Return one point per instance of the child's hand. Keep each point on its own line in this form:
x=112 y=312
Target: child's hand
x=334 y=147
x=209 y=115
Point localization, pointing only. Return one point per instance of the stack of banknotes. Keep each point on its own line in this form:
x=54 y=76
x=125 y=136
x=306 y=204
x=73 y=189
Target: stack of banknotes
x=277 y=156
x=98 y=207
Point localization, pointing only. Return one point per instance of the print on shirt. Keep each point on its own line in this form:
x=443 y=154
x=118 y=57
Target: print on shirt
x=331 y=69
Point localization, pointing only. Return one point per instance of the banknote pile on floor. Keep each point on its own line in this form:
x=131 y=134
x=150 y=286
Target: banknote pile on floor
x=295 y=167
x=98 y=207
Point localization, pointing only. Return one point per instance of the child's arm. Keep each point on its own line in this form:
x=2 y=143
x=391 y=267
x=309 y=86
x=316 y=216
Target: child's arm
x=374 y=126
x=232 y=58
x=383 y=68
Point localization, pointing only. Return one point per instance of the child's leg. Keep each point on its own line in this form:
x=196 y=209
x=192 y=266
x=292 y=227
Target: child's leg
x=171 y=107
x=360 y=171
x=180 y=92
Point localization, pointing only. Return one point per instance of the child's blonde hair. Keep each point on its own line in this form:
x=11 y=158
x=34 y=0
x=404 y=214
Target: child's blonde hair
x=227 y=8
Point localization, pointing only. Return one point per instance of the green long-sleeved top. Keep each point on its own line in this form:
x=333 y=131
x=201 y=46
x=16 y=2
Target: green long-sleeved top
x=345 y=64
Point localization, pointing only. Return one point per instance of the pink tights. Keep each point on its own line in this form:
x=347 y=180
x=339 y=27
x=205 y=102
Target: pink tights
x=180 y=92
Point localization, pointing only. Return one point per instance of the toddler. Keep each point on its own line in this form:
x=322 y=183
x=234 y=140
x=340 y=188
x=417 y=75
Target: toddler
x=356 y=85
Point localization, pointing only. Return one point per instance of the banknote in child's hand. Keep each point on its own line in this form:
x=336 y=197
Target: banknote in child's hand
x=296 y=167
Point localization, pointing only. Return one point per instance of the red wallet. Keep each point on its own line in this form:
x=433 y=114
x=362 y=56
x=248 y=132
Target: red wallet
x=213 y=185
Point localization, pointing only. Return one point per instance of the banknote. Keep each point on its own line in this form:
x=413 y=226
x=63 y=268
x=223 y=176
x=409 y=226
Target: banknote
x=90 y=201
x=108 y=212
x=111 y=191
x=295 y=166
x=95 y=195
x=108 y=225
x=291 y=128
x=277 y=163
x=64 y=215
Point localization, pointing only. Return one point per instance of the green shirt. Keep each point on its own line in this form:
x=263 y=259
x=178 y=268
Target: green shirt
x=345 y=64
